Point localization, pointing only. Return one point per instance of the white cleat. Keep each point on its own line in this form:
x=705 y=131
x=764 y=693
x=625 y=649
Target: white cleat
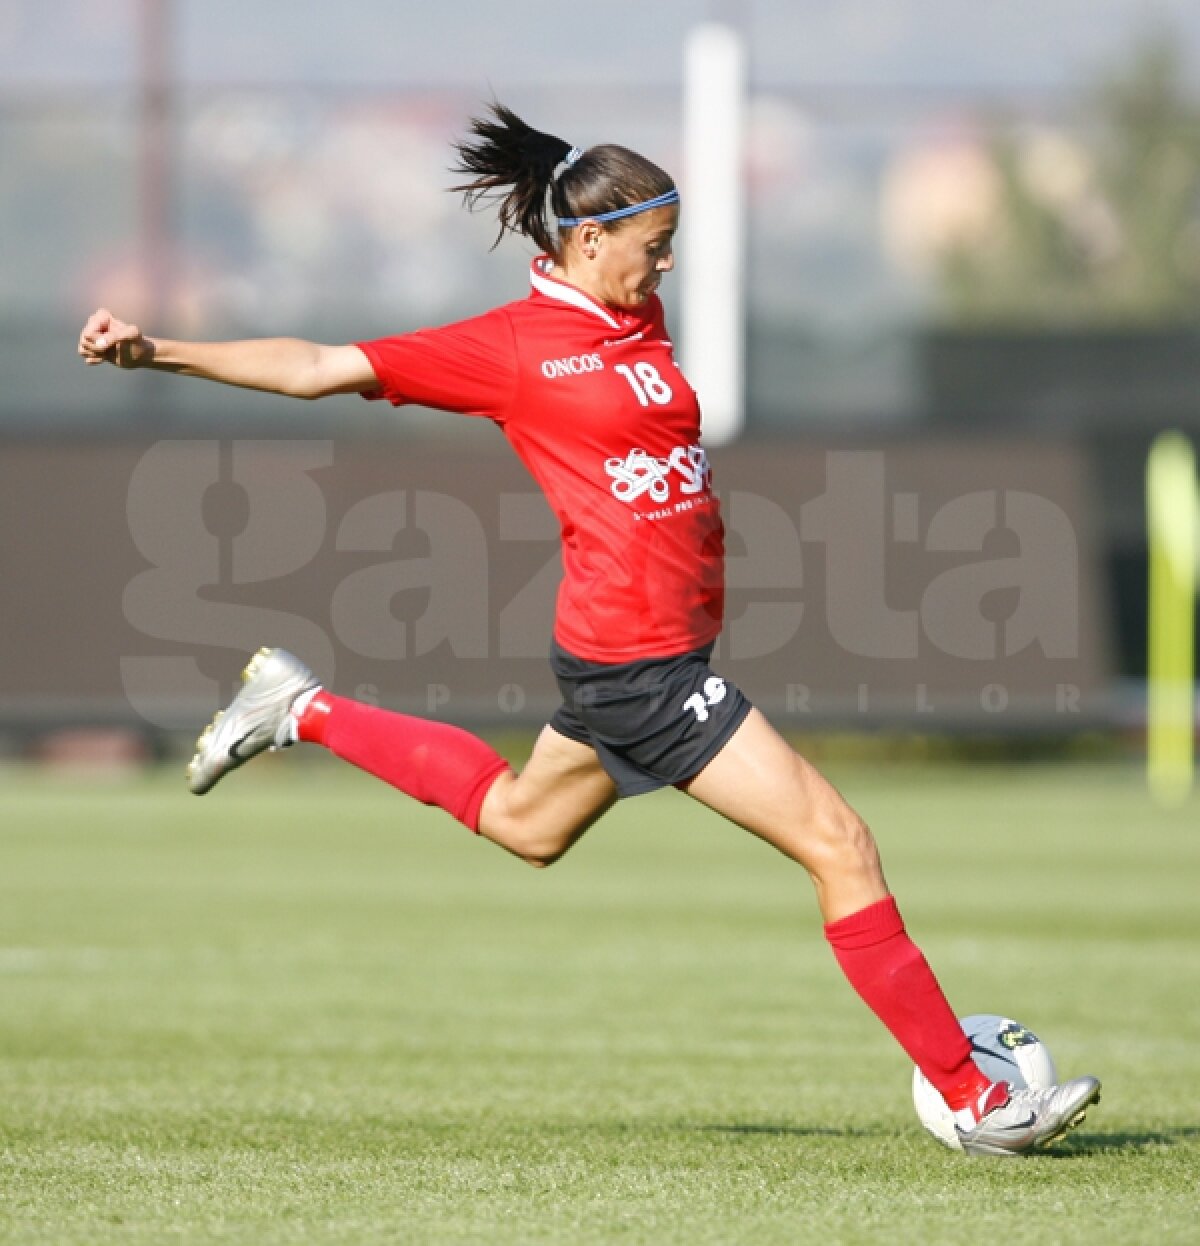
x=1028 y=1119
x=256 y=719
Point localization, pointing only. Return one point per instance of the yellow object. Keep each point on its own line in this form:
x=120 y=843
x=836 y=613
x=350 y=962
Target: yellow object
x=1173 y=528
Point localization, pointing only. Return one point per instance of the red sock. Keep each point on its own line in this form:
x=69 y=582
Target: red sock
x=887 y=969
x=434 y=762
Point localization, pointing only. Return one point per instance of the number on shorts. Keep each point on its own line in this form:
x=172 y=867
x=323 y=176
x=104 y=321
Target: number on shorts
x=713 y=694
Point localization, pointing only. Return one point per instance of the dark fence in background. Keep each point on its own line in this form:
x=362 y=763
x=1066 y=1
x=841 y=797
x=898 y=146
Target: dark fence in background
x=935 y=585
x=1107 y=392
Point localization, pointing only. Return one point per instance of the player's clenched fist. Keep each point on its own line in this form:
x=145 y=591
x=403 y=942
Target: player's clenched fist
x=105 y=339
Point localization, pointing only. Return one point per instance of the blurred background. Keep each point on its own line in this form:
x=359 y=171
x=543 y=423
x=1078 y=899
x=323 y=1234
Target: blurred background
x=972 y=249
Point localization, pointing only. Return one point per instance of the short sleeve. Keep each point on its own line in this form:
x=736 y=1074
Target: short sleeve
x=469 y=367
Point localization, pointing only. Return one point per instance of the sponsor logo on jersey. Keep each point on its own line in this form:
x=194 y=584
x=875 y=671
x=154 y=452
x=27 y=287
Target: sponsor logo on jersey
x=640 y=473
x=574 y=365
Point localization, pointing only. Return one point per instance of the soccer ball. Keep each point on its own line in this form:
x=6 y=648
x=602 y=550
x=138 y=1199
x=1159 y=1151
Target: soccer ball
x=1005 y=1050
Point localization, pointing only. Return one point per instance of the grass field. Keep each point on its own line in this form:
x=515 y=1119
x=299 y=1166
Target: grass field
x=305 y=1009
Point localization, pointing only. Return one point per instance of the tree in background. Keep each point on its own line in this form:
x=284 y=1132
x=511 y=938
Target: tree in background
x=1100 y=227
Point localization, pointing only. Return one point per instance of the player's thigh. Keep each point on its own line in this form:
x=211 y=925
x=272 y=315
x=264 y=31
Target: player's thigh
x=540 y=812
x=760 y=782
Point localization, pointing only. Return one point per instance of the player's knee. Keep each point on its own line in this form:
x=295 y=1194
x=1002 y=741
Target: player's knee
x=530 y=843
x=541 y=851
x=541 y=858
x=845 y=843
x=862 y=847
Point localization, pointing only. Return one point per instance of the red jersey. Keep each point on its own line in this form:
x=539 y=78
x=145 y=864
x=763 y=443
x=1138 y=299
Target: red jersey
x=591 y=399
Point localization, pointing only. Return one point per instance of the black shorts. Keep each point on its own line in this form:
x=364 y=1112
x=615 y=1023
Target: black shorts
x=654 y=722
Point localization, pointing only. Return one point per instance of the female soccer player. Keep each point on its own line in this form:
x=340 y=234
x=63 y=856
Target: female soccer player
x=581 y=378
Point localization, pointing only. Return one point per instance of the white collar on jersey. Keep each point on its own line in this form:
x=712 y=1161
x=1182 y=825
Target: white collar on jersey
x=551 y=287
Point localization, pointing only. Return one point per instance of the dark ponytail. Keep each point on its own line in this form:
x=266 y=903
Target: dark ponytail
x=506 y=152
x=509 y=153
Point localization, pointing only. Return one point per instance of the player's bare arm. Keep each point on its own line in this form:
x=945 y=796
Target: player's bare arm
x=288 y=366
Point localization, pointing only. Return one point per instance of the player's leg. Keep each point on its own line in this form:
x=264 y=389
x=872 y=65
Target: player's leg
x=758 y=781
x=540 y=812
x=536 y=815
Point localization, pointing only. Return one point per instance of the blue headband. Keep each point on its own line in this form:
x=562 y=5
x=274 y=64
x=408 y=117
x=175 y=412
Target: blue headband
x=659 y=201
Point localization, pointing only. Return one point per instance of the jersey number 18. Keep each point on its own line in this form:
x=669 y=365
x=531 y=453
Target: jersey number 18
x=646 y=383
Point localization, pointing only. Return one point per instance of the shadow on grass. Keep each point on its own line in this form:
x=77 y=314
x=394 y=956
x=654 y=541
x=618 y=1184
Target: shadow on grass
x=794 y=1131
x=1129 y=1142
x=1074 y=1146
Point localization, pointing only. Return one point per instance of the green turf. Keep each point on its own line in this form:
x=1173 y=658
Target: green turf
x=306 y=1010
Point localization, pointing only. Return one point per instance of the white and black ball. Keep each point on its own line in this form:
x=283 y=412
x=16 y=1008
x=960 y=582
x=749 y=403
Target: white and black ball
x=1005 y=1051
